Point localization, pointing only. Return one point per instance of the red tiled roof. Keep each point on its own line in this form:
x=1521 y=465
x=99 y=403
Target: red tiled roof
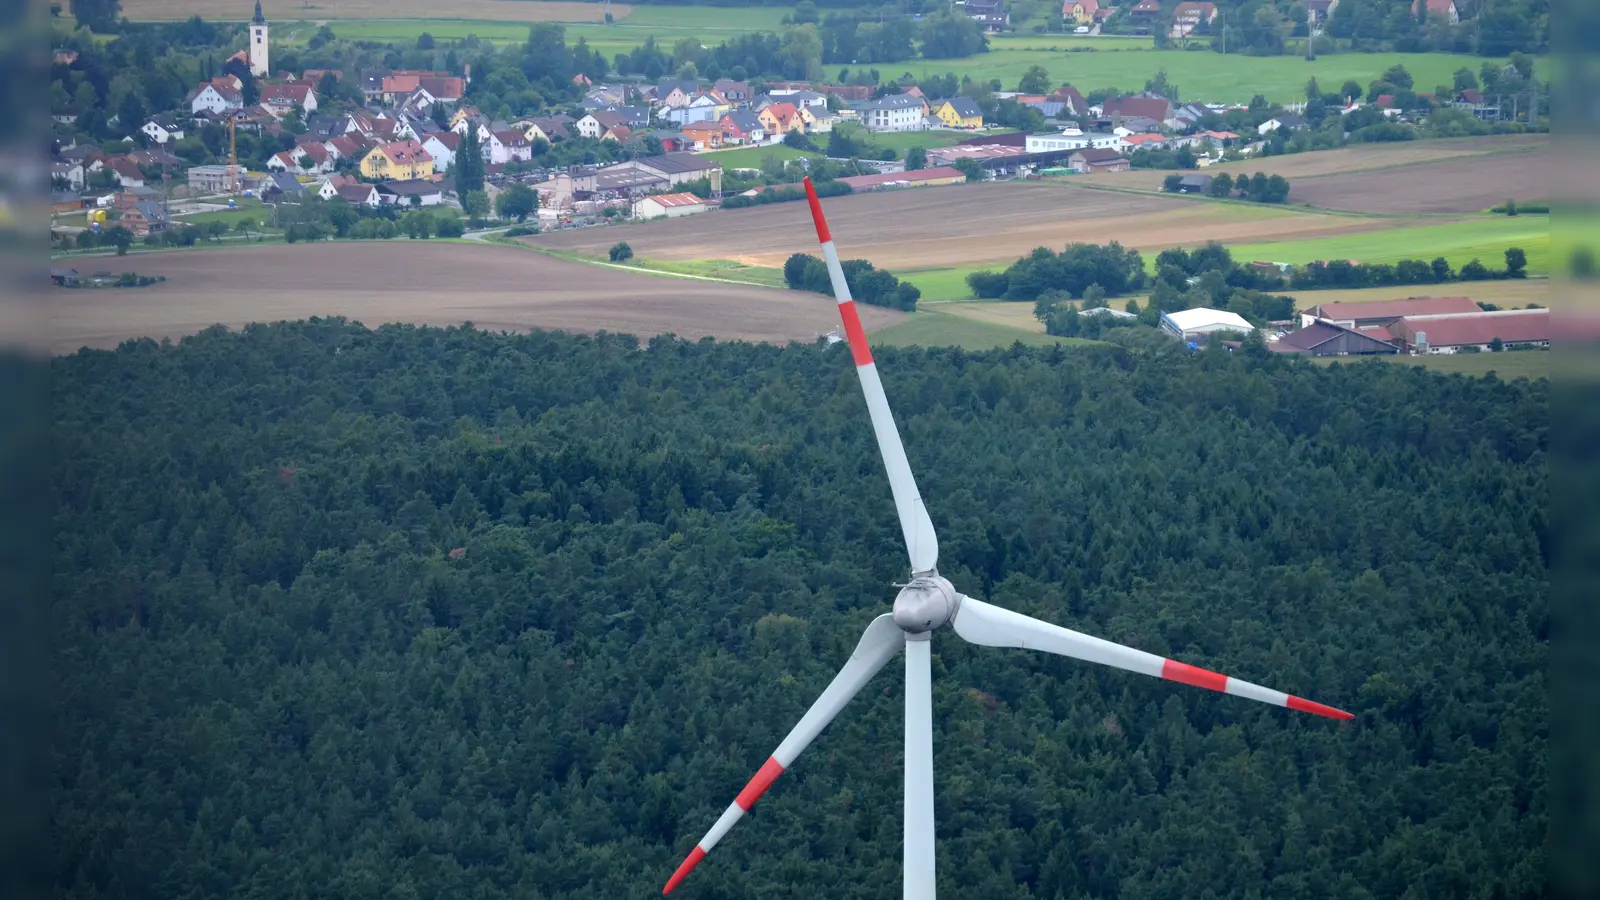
x=678 y=199
x=1149 y=107
x=288 y=93
x=1394 y=309
x=858 y=182
x=1510 y=325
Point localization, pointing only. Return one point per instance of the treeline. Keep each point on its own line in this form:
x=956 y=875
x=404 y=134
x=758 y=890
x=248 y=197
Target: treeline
x=1116 y=271
x=417 y=612
x=1340 y=273
x=1208 y=276
x=868 y=284
x=1260 y=188
x=1269 y=29
x=785 y=194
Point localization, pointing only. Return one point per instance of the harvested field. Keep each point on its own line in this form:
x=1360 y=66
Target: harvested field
x=428 y=283
x=1504 y=294
x=1352 y=159
x=924 y=228
x=486 y=10
x=1467 y=185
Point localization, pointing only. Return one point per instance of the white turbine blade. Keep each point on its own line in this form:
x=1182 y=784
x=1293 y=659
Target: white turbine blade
x=991 y=626
x=878 y=645
x=919 y=884
x=914 y=522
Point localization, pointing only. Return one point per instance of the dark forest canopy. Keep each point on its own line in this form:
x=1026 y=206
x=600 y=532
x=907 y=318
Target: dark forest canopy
x=428 y=613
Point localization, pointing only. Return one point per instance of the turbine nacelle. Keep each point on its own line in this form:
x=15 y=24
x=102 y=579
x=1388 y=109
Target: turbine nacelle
x=927 y=604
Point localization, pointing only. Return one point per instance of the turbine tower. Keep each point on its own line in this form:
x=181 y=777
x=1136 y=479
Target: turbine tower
x=925 y=605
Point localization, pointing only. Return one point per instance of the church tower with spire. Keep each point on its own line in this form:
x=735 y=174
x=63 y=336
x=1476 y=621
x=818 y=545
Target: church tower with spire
x=258 y=44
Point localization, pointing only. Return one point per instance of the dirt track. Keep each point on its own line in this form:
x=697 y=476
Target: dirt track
x=424 y=283
x=948 y=226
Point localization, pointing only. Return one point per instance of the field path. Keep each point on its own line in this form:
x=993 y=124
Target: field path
x=429 y=283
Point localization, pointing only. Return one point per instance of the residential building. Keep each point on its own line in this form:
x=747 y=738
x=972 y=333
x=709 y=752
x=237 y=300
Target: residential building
x=1287 y=121
x=397 y=160
x=669 y=206
x=1383 y=313
x=1453 y=333
x=1073 y=139
x=284 y=184
x=508 y=146
x=701 y=107
x=1080 y=12
x=991 y=14
x=704 y=135
x=742 y=127
x=442 y=146
x=280 y=98
x=1446 y=8
x=732 y=91
x=1157 y=109
x=162 y=129
x=1146 y=9
x=145 y=217
x=1072 y=101
x=801 y=98
x=1327 y=339
x=358 y=194
x=128 y=173
x=1189 y=16
x=259 y=48
x=1097 y=160
x=69 y=172
x=215 y=99
x=1194 y=184
x=959 y=112
x=427 y=191
x=939 y=175
x=897 y=112
x=213 y=179
x=781 y=118
x=1200 y=322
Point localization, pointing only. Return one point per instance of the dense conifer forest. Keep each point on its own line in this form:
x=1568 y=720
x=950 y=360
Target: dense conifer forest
x=416 y=613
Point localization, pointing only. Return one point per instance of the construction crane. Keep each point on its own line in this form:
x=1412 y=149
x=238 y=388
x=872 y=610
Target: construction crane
x=234 y=182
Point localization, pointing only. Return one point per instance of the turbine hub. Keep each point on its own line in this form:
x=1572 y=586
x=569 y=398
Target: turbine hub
x=926 y=604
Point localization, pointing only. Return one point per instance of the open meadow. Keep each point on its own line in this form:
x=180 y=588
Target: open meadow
x=925 y=228
x=429 y=283
x=1484 y=239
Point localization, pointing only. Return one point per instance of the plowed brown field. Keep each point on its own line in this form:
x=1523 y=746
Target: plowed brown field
x=425 y=283
x=963 y=224
x=1465 y=175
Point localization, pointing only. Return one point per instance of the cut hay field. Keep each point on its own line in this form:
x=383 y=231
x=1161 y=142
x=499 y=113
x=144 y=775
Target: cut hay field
x=1504 y=294
x=961 y=225
x=431 y=283
x=939 y=328
x=1484 y=239
x=1521 y=364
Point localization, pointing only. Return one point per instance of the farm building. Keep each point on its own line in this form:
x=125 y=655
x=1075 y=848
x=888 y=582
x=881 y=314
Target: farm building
x=916 y=178
x=1102 y=160
x=676 y=168
x=1200 y=321
x=1452 y=333
x=1382 y=313
x=670 y=206
x=1328 y=339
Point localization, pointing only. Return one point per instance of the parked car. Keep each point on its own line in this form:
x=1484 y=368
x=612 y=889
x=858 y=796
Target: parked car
x=1081 y=29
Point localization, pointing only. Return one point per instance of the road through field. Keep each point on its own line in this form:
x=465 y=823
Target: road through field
x=428 y=283
x=922 y=228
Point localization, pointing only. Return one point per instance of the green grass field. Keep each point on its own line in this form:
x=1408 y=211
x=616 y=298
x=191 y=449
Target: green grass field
x=1198 y=76
x=1485 y=239
x=1519 y=364
x=1108 y=43
x=725 y=269
x=667 y=24
x=751 y=157
x=932 y=328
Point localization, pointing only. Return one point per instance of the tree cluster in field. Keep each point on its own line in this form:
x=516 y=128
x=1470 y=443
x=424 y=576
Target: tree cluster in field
x=867 y=283
x=1116 y=271
x=1260 y=187
x=1340 y=273
x=1208 y=276
x=125 y=280
x=413 y=612
x=785 y=194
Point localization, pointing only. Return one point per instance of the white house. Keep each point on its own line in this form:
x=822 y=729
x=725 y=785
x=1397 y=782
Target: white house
x=510 y=145
x=280 y=98
x=897 y=112
x=162 y=129
x=442 y=147
x=670 y=206
x=70 y=172
x=212 y=99
x=1285 y=121
x=702 y=108
x=1200 y=321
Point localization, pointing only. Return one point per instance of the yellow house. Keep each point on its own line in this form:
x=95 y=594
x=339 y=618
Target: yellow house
x=960 y=112
x=397 y=161
x=1080 y=11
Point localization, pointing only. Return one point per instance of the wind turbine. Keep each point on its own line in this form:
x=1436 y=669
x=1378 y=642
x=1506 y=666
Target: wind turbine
x=923 y=606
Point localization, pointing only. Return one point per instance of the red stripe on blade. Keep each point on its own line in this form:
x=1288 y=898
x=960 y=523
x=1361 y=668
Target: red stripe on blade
x=770 y=770
x=1317 y=709
x=855 y=333
x=1173 y=670
x=695 y=856
x=823 y=236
